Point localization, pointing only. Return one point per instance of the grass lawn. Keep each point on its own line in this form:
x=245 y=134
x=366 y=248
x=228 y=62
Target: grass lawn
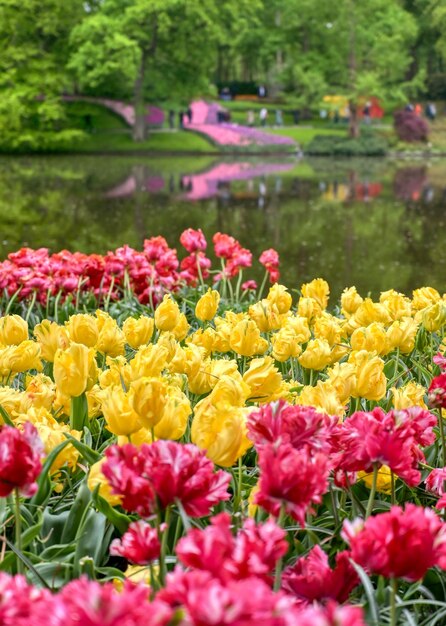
x=157 y=141
x=304 y=134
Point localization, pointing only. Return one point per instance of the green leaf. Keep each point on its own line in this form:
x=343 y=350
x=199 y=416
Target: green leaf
x=76 y=514
x=91 y=456
x=44 y=482
x=5 y=416
x=119 y=520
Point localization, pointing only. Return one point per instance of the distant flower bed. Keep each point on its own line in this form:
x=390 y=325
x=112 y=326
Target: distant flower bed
x=147 y=275
x=234 y=135
x=222 y=458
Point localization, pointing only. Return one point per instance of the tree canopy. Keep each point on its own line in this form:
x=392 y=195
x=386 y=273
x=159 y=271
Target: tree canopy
x=165 y=51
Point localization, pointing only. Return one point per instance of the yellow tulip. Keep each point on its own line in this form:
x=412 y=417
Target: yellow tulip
x=317 y=355
x=370 y=378
x=245 y=338
x=94 y=401
x=52 y=434
x=138 y=332
x=299 y=326
x=118 y=372
x=147 y=397
x=308 y=308
x=383 y=482
x=434 y=317
x=11 y=401
x=323 y=397
x=176 y=413
x=111 y=339
x=83 y=328
x=40 y=391
x=350 y=301
x=150 y=361
x=71 y=369
x=342 y=378
x=397 y=304
x=401 y=334
x=207 y=306
x=265 y=315
x=369 y=312
x=20 y=358
x=229 y=390
x=424 y=297
x=409 y=395
x=182 y=328
x=285 y=345
x=263 y=378
x=222 y=433
x=204 y=338
x=167 y=314
x=278 y=295
x=51 y=337
x=372 y=338
x=13 y=330
x=96 y=477
x=168 y=341
x=119 y=415
x=318 y=289
x=327 y=327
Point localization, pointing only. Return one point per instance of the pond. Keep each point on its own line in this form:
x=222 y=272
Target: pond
x=377 y=224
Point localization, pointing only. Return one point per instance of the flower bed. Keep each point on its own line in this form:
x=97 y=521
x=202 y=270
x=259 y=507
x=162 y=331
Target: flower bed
x=225 y=460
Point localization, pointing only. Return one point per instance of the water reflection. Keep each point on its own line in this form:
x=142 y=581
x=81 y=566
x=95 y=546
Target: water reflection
x=374 y=223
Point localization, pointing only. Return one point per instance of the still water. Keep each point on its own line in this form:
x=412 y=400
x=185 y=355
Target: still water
x=374 y=223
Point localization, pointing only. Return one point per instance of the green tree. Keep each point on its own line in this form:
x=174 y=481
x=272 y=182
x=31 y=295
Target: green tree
x=161 y=48
x=33 y=54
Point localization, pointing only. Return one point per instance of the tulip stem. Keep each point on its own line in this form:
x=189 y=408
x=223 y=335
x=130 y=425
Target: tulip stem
x=372 y=491
x=18 y=530
x=392 y=483
x=393 y=594
x=443 y=446
x=238 y=496
x=165 y=533
x=279 y=566
x=262 y=286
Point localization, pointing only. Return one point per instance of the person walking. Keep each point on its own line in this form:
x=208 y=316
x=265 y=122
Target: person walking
x=279 y=117
x=251 y=119
x=263 y=116
x=171 y=119
x=367 y=110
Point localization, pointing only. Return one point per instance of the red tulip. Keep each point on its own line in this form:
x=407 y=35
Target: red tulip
x=403 y=543
x=253 y=551
x=311 y=578
x=20 y=459
x=292 y=479
x=139 y=544
x=193 y=240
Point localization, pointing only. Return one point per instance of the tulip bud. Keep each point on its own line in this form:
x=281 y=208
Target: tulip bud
x=167 y=314
x=207 y=305
x=71 y=369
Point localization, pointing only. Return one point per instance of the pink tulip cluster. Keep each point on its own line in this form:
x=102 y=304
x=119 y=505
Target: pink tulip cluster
x=149 y=273
x=190 y=598
x=162 y=474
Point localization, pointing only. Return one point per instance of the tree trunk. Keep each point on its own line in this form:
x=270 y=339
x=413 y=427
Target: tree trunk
x=139 y=127
x=353 y=120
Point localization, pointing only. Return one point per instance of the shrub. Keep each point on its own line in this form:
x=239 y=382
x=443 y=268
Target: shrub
x=410 y=127
x=331 y=145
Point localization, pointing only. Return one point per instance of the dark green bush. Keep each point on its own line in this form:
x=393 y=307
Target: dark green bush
x=368 y=144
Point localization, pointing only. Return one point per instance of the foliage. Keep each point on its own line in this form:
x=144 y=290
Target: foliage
x=410 y=127
x=330 y=145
